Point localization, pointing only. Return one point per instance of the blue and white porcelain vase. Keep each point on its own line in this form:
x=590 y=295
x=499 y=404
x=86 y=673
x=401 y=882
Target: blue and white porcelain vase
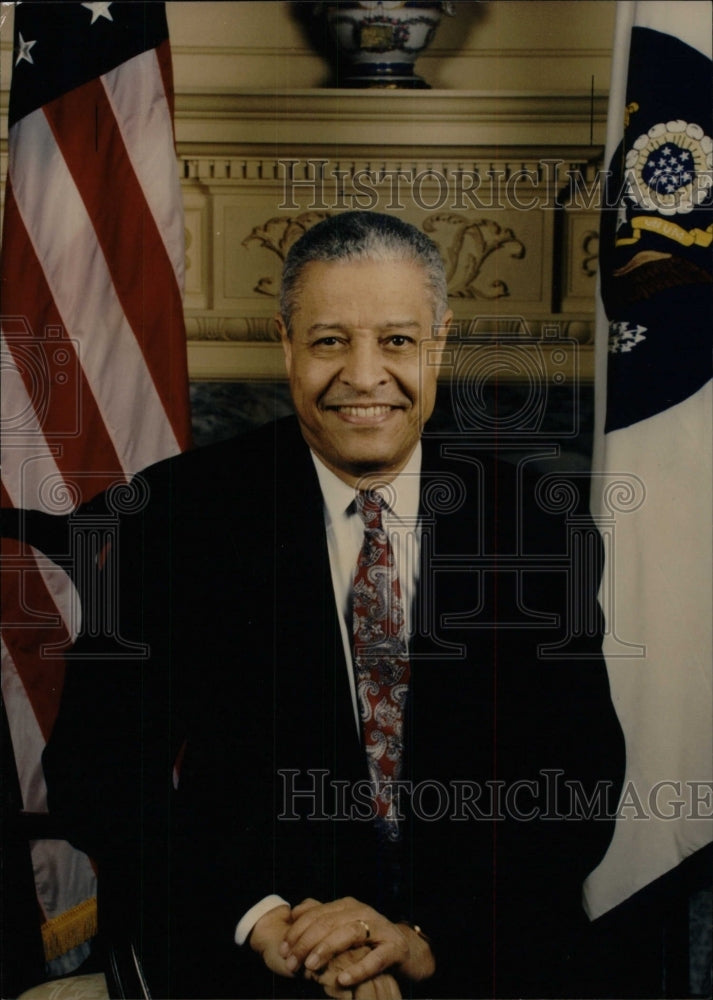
x=380 y=40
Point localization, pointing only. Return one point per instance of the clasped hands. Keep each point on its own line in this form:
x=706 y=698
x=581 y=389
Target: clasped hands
x=346 y=946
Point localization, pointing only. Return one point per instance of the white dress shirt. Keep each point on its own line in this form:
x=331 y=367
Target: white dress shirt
x=345 y=535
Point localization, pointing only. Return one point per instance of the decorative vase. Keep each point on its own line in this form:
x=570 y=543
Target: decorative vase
x=380 y=40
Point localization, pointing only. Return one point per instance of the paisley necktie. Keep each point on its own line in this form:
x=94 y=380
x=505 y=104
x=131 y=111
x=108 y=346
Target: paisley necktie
x=380 y=659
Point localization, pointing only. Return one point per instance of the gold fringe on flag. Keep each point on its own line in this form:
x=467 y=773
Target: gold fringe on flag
x=70 y=929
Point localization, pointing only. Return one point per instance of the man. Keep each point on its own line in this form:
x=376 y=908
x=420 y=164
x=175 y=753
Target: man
x=355 y=679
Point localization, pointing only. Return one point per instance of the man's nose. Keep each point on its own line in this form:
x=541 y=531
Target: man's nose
x=364 y=368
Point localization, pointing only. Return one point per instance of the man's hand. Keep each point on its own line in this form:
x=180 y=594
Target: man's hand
x=320 y=931
x=381 y=987
x=267 y=936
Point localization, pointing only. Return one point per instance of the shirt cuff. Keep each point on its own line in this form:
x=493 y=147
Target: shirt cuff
x=249 y=919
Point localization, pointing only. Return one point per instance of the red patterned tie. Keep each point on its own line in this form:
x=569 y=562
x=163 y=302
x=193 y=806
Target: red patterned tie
x=380 y=657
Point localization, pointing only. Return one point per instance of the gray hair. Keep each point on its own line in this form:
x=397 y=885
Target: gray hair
x=363 y=236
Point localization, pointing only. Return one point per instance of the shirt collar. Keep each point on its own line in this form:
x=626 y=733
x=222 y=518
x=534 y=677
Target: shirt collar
x=403 y=494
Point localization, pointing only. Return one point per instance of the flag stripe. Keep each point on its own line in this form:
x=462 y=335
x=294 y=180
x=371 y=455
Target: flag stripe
x=27 y=739
x=55 y=386
x=93 y=264
x=29 y=615
x=153 y=162
x=82 y=123
x=63 y=595
x=165 y=65
x=64 y=239
x=31 y=474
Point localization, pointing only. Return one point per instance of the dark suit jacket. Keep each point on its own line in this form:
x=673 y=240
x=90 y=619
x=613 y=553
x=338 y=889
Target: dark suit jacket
x=224 y=573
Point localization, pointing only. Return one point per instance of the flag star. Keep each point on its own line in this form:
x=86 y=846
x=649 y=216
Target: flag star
x=99 y=8
x=23 y=51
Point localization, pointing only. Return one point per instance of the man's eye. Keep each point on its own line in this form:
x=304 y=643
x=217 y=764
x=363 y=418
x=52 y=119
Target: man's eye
x=325 y=342
x=399 y=340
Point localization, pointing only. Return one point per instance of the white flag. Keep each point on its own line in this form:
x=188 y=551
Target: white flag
x=653 y=477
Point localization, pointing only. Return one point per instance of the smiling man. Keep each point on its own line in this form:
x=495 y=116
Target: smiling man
x=348 y=762
x=362 y=297
x=354 y=350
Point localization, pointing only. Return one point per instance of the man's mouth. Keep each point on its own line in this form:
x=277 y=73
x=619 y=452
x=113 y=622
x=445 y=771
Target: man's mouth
x=377 y=410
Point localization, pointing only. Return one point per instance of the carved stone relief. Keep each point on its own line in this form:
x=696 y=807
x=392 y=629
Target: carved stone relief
x=277 y=235
x=579 y=254
x=590 y=252
x=504 y=258
x=465 y=246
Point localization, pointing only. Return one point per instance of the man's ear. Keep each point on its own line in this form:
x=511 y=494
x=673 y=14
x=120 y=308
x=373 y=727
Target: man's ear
x=285 y=340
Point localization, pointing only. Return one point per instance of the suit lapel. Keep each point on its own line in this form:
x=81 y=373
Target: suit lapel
x=452 y=663
x=308 y=639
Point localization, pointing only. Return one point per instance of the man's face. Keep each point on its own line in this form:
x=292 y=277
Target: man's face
x=357 y=374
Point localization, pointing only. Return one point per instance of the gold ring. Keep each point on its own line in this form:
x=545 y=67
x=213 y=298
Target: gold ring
x=366 y=929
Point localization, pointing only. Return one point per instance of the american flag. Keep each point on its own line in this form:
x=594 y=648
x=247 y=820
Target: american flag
x=653 y=472
x=94 y=369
